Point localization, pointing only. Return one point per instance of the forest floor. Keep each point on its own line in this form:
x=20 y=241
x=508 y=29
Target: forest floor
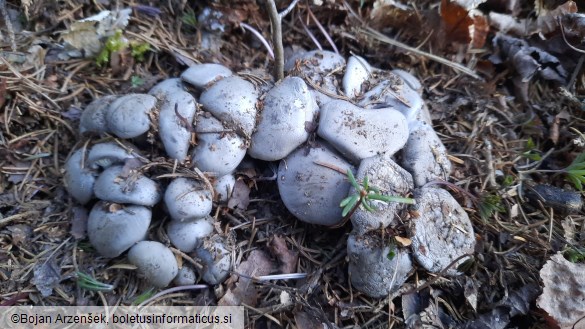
x=506 y=101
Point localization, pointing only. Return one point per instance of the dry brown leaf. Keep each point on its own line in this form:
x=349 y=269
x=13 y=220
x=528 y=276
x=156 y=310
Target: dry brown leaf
x=243 y=290
x=563 y=295
x=403 y=242
x=465 y=26
x=546 y=22
x=286 y=257
x=240 y=196
x=305 y=321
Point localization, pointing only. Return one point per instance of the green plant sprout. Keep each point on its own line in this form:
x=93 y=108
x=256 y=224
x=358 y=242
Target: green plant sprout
x=138 y=50
x=143 y=296
x=114 y=43
x=365 y=195
x=575 y=255
x=189 y=18
x=88 y=282
x=530 y=151
x=489 y=204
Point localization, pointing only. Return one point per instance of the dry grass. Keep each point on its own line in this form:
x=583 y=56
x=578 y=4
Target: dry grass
x=484 y=129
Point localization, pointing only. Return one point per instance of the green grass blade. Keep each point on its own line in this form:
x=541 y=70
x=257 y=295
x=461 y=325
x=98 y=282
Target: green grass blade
x=88 y=282
x=352 y=180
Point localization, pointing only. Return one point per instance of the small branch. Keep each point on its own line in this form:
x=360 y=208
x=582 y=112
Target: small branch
x=259 y=37
x=276 y=24
x=288 y=9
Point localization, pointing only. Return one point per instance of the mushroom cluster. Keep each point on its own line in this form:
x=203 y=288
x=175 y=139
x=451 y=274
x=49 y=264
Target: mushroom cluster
x=327 y=116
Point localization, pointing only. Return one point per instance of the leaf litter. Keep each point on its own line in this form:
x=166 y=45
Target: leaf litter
x=464 y=110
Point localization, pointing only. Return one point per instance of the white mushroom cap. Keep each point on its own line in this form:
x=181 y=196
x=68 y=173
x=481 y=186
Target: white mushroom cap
x=128 y=116
x=216 y=259
x=93 y=118
x=185 y=277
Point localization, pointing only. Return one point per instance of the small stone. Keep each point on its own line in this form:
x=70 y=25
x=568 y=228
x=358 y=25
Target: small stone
x=167 y=86
x=393 y=93
x=310 y=185
x=441 y=232
x=233 y=101
x=113 y=231
x=188 y=199
x=358 y=133
x=563 y=201
x=202 y=75
x=218 y=149
x=115 y=185
x=288 y=108
x=376 y=267
x=155 y=262
x=128 y=116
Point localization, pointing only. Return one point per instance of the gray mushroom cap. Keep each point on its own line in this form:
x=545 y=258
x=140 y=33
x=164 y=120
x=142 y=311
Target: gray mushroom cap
x=357 y=72
x=393 y=93
x=112 y=231
x=202 y=75
x=425 y=156
x=233 y=101
x=155 y=262
x=409 y=79
x=310 y=187
x=188 y=234
x=187 y=199
x=392 y=180
x=441 y=232
x=318 y=67
x=106 y=154
x=177 y=111
x=185 y=276
x=218 y=150
x=288 y=108
x=216 y=260
x=224 y=186
x=161 y=89
x=372 y=268
x=79 y=180
x=128 y=116
x=117 y=186
x=359 y=133
x=93 y=118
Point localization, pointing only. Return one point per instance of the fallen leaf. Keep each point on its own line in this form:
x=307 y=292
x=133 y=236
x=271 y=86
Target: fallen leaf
x=46 y=276
x=497 y=318
x=78 y=222
x=528 y=61
x=19 y=233
x=240 y=196
x=563 y=295
x=403 y=242
x=306 y=321
x=520 y=299
x=468 y=26
x=470 y=292
x=243 y=290
x=287 y=258
x=546 y=22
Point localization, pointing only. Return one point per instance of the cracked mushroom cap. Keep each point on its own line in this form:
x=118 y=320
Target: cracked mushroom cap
x=376 y=266
x=441 y=231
